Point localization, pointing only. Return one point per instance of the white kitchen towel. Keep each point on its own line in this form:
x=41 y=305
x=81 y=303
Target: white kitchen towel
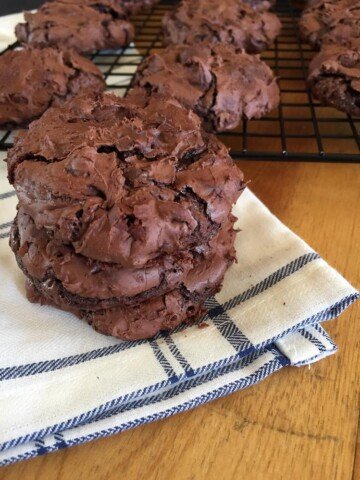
x=7 y=26
x=62 y=384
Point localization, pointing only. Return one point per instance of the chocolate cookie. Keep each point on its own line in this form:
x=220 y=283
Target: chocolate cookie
x=327 y=22
x=229 y=22
x=335 y=78
x=124 y=212
x=220 y=85
x=82 y=25
x=33 y=79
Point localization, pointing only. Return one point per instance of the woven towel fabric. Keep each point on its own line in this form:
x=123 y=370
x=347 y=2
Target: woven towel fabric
x=62 y=384
x=7 y=25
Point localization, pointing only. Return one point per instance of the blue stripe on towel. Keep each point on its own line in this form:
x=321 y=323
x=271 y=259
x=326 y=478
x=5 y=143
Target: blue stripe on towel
x=160 y=357
x=5 y=195
x=265 y=370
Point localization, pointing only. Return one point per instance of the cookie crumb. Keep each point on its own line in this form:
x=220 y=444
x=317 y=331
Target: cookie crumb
x=203 y=325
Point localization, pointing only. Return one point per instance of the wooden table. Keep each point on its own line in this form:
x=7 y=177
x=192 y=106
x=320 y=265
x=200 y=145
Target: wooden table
x=299 y=424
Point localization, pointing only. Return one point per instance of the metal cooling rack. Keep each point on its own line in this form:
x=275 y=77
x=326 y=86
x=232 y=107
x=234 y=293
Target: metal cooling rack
x=300 y=129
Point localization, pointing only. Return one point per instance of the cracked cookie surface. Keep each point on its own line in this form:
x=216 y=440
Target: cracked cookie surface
x=328 y=22
x=124 y=209
x=33 y=79
x=221 y=85
x=335 y=78
x=82 y=25
x=228 y=22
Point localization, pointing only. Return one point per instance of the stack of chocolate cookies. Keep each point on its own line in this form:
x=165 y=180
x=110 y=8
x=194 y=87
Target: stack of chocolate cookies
x=333 y=26
x=124 y=214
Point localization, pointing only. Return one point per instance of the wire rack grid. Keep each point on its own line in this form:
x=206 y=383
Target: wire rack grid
x=299 y=129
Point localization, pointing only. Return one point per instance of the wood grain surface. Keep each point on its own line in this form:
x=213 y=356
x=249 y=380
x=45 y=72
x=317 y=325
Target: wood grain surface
x=299 y=424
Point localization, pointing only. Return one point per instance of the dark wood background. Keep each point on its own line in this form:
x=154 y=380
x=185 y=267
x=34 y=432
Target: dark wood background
x=13 y=6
